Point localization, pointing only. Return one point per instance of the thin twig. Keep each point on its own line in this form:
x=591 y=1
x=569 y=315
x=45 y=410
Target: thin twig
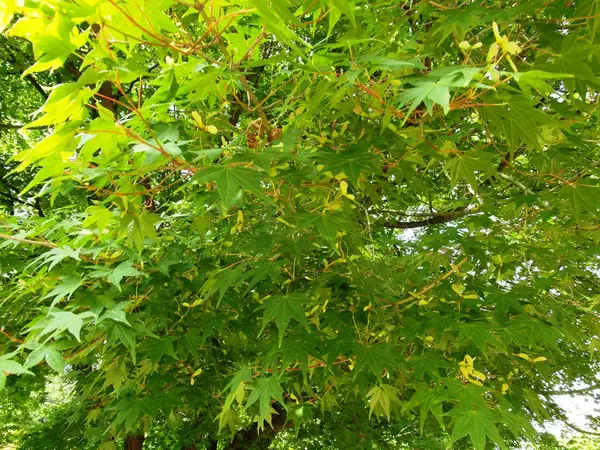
x=12 y=339
x=28 y=241
x=570 y=425
x=429 y=287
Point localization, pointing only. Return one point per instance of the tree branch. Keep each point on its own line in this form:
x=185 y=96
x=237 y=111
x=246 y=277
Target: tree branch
x=508 y=158
x=415 y=296
x=435 y=219
x=28 y=77
x=12 y=126
x=38 y=207
x=243 y=80
x=28 y=241
x=145 y=77
x=579 y=430
x=397 y=212
x=257 y=104
x=72 y=69
x=516 y=183
x=14 y=199
x=9 y=336
x=38 y=87
x=573 y=391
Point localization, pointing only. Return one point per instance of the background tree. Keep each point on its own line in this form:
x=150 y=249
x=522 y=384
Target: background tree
x=243 y=216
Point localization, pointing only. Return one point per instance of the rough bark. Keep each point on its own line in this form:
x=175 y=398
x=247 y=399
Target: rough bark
x=252 y=438
x=107 y=97
x=134 y=442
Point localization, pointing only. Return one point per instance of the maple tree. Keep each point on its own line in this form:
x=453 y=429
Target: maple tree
x=234 y=216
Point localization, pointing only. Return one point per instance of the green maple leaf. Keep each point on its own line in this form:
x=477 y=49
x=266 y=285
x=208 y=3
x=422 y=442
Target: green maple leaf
x=125 y=269
x=466 y=166
x=435 y=88
x=519 y=120
x=412 y=329
x=115 y=315
x=581 y=198
x=265 y=389
x=482 y=335
x=426 y=91
x=463 y=167
x=429 y=364
x=297 y=350
x=271 y=16
x=467 y=395
x=569 y=64
x=222 y=281
x=326 y=224
x=478 y=424
x=228 y=418
x=516 y=424
x=35 y=357
x=240 y=376
x=142 y=228
x=128 y=413
x=534 y=402
x=162 y=347
x=236 y=387
x=440 y=322
x=341 y=345
x=125 y=335
x=459 y=21
x=208 y=326
x=353 y=162
x=269 y=269
x=429 y=400
x=527 y=331
x=383 y=398
x=190 y=342
x=504 y=303
x=65 y=289
x=56 y=255
x=64 y=320
x=10 y=366
x=527 y=120
x=52 y=356
x=55 y=360
x=115 y=275
x=231 y=180
x=536 y=79
x=376 y=357
x=345 y=7
x=283 y=308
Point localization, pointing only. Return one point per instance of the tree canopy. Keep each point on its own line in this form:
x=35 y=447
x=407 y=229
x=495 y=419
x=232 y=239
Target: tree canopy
x=235 y=217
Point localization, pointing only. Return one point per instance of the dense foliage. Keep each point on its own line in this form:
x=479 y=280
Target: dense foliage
x=240 y=220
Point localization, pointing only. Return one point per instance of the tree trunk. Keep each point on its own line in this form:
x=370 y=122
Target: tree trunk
x=246 y=439
x=134 y=442
x=107 y=98
x=190 y=447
